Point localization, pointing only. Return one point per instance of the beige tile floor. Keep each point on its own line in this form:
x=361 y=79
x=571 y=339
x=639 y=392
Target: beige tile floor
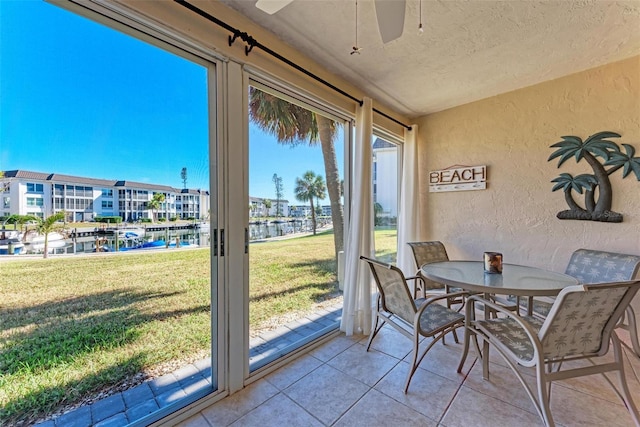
x=340 y=384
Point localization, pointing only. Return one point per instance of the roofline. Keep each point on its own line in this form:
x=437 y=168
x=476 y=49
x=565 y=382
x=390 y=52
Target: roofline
x=57 y=177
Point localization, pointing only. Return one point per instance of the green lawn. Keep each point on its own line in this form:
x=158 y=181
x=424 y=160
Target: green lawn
x=71 y=327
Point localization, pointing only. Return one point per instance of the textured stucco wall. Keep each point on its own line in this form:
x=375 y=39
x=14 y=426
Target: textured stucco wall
x=511 y=134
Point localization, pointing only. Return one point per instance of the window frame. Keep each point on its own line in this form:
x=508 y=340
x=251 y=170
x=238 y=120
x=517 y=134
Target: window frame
x=228 y=87
x=125 y=20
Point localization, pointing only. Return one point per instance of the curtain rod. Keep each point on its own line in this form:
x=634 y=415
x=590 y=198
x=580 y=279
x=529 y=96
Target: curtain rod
x=251 y=43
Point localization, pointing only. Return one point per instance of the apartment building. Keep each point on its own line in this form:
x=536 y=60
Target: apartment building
x=258 y=208
x=43 y=194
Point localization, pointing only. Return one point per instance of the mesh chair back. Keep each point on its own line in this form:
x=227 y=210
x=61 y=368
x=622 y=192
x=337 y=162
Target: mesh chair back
x=590 y=266
x=583 y=317
x=394 y=293
x=426 y=253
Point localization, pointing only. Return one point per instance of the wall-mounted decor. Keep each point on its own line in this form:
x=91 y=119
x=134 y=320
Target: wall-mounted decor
x=605 y=157
x=458 y=178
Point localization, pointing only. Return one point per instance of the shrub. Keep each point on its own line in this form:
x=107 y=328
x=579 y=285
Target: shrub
x=163 y=219
x=109 y=219
x=173 y=219
x=145 y=220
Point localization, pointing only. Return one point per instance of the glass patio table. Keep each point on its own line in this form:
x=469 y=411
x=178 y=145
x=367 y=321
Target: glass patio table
x=518 y=280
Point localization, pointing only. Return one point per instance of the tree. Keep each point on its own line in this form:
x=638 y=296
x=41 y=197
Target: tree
x=267 y=205
x=307 y=188
x=183 y=176
x=20 y=220
x=591 y=149
x=155 y=203
x=46 y=226
x=377 y=211
x=292 y=125
x=277 y=181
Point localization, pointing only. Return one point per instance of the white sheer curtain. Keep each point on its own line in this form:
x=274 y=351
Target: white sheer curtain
x=357 y=309
x=409 y=212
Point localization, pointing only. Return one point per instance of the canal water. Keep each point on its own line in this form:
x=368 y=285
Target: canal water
x=192 y=237
x=260 y=230
x=149 y=239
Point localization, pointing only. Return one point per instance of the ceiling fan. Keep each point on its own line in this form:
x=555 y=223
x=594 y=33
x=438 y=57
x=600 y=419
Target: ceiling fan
x=389 y=13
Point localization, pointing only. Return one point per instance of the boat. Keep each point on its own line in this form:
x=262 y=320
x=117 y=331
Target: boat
x=155 y=244
x=204 y=227
x=131 y=232
x=34 y=242
x=11 y=243
x=123 y=232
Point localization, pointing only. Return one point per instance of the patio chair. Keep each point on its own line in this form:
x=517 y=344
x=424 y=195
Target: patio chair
x=412 y=318
x=426 y=253
x=580 y=325
x=592 y=266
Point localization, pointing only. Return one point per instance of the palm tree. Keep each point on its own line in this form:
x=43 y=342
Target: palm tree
x=13 y=219
x=46 y=226
x=155 y=203
x=267 y=205
x=307 y=188
x=20 y=220
x=292 y=125
x=377 y=211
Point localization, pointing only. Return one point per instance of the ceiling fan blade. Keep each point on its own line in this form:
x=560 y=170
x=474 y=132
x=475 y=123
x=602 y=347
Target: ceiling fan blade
x=271 y=6
x=390 y=15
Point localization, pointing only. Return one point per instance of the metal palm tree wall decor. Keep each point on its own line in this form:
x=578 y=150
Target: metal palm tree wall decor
x=596 y=187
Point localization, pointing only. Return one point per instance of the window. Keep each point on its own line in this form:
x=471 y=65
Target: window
x=279 y=174
x=34 y=188
x=33 y=201
x=84 y=191
x=102 y=342
x=107 y=204
x=6 y=202
x=385 y=198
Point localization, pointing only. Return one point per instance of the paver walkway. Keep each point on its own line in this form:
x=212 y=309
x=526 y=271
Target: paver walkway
x=137 y=402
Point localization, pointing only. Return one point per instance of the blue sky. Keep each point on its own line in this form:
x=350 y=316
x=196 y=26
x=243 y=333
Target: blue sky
x=82 y=99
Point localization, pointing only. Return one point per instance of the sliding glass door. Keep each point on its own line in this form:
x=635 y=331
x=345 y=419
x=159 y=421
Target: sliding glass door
x=98 y=130
x=295 y=223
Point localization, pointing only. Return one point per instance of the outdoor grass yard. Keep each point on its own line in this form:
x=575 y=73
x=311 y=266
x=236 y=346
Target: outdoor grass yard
x=72 y=327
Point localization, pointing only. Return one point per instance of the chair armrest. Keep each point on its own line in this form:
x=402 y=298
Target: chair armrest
x=431 y=300
x=531 y=333
x=417 y=278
